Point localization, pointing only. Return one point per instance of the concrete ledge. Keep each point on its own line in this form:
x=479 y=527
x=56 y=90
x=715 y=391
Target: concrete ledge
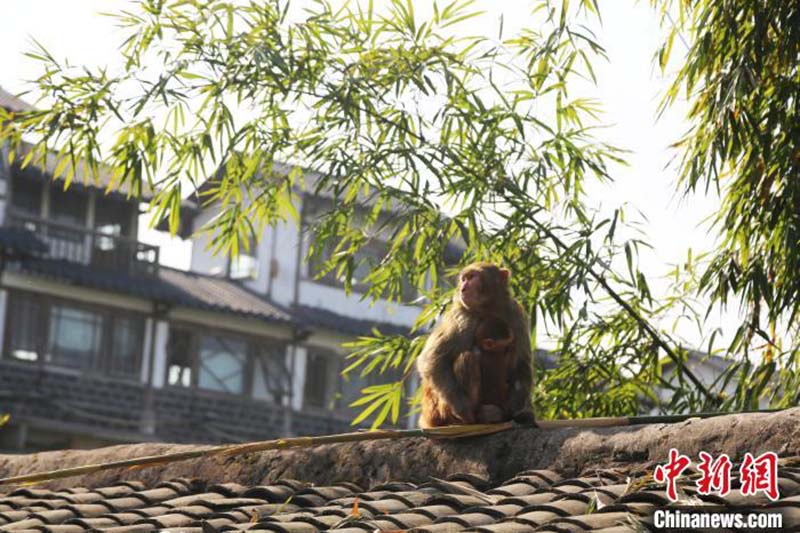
x=497 y=457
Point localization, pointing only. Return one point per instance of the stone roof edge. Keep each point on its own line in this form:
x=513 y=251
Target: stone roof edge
x=496 y=458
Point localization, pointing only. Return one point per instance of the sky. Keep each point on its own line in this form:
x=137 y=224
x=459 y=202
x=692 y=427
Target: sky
x=629 y=88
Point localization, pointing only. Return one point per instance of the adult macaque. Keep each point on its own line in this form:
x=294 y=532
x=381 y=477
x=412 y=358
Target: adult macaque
x=450 y=368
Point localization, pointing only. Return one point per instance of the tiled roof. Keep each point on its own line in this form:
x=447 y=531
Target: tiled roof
x=13 y=103
x=220 y=294
x=533 y=500
x=190 y=289
x=343 y=324
x=515 y=481
x=171 y=286
x=82 y=178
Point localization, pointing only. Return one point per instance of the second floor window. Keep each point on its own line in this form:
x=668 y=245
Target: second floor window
x=68 y=207
x=62 y=333
x=26 y=192
x=365 y=258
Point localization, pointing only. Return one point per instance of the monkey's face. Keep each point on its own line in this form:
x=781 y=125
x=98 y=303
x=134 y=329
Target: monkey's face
x=470 y=289
x=480 y=284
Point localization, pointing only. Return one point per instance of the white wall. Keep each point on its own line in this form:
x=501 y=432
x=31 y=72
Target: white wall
x=279 y=245
x=283 y=250
x=203 y=259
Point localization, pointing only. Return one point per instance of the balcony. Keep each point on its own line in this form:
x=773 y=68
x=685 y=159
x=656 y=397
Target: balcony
x=90 y=247
x=49 y=399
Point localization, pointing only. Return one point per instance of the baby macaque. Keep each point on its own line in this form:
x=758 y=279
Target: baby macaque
x=495 y=340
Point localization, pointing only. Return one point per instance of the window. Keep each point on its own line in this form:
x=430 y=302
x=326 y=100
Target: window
x=25 y=317
x=321 y=375
x=271 y=375
x=113 y=217
x=68 y=207
x=314 y=394
x=365 y=259
x=221 y=364
x=245 y=265
x=74 y=339
x=127 y=336
x=71 y=335
x=26 y=192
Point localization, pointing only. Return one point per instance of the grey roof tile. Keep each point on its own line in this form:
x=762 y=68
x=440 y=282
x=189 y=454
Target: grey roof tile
x=289 y=527
x=90 y=510
x=271 y=493
x=457 y=501
x=27 y=523
x=508 y=526
x=138 y=528
x=537 y=516
x=437 y=510
x=387 y=506
x=120 y=490
x=406 y=520
x=593 y=502
x=56 y=516
x=94 y=523
x=441 y=527
x=63 y=528
x=124 y=503
x=468 y=519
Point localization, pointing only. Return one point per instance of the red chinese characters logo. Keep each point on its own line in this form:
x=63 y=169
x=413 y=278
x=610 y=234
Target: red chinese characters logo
x=670 y=472
x=714 y=474
x=760 y=474
x=756 y=474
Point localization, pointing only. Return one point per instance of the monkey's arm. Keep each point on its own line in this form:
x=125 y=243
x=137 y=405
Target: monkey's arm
x=436 y=366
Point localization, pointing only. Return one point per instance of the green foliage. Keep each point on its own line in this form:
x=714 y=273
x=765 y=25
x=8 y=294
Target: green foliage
x=742 y=82
x=457 y=138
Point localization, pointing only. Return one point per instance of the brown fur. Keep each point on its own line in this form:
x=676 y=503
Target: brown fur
x=498 y=359
x=451 y=369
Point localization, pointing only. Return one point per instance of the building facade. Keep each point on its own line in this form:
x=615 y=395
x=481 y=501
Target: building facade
x=103 y=344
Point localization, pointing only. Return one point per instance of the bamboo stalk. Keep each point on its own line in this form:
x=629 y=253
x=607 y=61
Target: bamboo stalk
x=446 y=432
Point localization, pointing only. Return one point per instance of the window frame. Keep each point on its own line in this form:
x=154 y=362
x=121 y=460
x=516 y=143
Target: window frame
x=252 y=352
x=101 y=363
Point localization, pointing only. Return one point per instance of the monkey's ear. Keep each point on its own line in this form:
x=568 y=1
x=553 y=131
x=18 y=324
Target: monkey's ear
x=505 y=274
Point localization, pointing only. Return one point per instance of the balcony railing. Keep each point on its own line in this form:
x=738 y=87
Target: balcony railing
x=90 y=247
